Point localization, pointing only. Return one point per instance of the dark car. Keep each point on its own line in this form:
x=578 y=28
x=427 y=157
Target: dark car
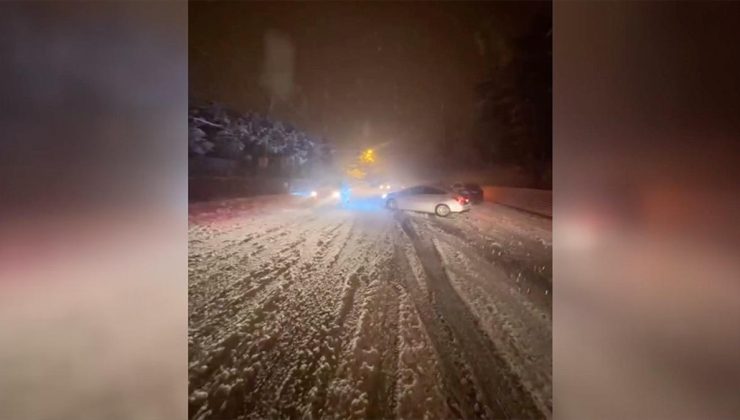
x=469 y=190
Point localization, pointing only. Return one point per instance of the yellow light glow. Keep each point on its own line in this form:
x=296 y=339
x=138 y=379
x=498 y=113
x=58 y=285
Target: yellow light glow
x=356 y=173
x=368 y=156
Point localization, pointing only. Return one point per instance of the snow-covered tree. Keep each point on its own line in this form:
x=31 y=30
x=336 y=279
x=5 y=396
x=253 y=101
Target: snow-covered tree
x=218 y=131
x=198 y=144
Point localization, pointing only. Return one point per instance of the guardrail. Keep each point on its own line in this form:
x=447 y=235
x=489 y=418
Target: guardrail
x=527 y=199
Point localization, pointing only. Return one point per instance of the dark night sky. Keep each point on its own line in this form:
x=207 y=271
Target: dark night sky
x=363 y=73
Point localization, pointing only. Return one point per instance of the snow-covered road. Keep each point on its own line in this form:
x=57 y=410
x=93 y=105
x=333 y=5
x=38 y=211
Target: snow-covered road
x=323 y=312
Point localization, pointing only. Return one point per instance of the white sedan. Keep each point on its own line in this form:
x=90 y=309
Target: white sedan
x=427 y=199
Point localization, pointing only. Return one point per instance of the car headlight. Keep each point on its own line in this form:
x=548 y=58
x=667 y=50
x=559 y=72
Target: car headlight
x=384 y=195
x=335 y=194
x=314 y=194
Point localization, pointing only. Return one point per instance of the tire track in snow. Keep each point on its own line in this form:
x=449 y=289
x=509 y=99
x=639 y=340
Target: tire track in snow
x=352 y=321
x=237 y=291
x=288 y=384
x=382 y=387
x=500 y=390
x=220 y=250
x=418 y=380
x=251 y=339
x=523 y=334
x=356 y=377
x=370 y=363
x=236 y=279
x=461 y=396
x=536 y=276
x=497 y=281
x=357 y=259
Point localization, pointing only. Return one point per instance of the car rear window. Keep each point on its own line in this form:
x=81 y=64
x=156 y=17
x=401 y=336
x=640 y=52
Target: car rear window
x=433 y=190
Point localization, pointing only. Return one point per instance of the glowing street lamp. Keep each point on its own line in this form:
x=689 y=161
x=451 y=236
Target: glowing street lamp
x=368 y=156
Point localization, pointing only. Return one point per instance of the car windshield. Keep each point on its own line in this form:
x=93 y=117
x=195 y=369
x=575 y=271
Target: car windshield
x=473 y=186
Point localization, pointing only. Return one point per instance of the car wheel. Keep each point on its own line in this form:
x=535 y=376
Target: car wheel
x=442 y=210
x=391 y=204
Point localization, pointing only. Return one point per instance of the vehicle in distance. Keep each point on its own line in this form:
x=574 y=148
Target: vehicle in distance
x=368 y=189
x=469 y=190
x=427 y=199
x=313 y=189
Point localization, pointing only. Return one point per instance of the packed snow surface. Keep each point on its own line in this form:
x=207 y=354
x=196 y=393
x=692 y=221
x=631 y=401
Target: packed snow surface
x=315 y=311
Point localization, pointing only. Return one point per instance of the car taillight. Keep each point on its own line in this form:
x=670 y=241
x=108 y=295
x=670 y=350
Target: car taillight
x=462 y=200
